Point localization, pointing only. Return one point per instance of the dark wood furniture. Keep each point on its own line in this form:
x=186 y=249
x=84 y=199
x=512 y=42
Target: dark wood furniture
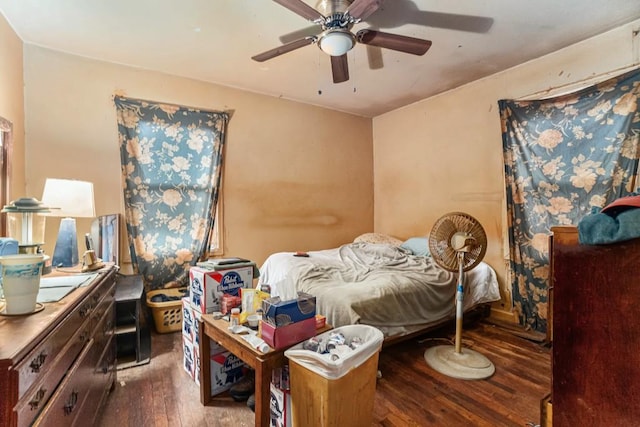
x=133 y=339
x=57 y=365
x=596 y=332
x=262 y=363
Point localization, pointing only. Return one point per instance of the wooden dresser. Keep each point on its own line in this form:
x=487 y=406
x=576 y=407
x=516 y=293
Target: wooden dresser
x=596 y=332
x=58 y=365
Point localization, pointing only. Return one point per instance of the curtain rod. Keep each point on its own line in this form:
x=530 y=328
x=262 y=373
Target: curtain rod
x=571 y=87
x=118 y=94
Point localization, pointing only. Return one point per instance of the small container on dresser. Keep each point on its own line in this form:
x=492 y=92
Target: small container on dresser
x=58 y=365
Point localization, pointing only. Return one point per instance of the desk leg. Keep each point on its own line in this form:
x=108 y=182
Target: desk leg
x=263 y=393
x=205 y=365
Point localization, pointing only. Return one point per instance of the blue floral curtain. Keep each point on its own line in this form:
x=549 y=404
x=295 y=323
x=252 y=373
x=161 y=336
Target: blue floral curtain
x=171 y=168
x=563 y=157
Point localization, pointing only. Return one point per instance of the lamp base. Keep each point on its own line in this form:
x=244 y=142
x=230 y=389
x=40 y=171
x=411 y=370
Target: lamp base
x=65 y=253
x=466 y=365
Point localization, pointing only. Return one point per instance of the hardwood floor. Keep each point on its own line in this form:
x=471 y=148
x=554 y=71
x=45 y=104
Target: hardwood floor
x=409 y=393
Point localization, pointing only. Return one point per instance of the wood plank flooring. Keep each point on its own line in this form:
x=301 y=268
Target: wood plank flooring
x=409 y=393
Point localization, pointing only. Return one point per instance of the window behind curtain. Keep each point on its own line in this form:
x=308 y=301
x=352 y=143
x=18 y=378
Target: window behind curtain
x=5 y=168
x=171 y=167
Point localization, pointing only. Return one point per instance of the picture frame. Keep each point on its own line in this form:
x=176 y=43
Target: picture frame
x=105 y=235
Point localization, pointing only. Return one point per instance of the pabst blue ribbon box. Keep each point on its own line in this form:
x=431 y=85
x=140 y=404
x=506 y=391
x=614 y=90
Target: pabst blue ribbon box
x=207 y=285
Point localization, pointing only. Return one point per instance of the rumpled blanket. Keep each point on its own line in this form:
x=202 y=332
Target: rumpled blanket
x=375 y=284
x=601 y=228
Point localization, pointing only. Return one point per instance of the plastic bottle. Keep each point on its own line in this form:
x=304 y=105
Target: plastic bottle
x=235 y=316
x=259 y=312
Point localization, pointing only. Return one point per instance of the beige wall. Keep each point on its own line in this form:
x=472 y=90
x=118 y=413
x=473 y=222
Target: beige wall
x=444 y=153
x=291 y=181
x=12 y=102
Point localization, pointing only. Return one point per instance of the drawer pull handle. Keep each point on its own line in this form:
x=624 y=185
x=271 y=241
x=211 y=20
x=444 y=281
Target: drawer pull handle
x=71 y=403
x=37 y=362
x=107 y=326
x=84 y=311
x=37 y=399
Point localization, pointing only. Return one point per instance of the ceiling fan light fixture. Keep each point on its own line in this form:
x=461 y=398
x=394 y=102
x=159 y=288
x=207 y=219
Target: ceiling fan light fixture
x=336 y=42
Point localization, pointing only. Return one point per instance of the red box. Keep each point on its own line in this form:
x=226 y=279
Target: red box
x=288 y=335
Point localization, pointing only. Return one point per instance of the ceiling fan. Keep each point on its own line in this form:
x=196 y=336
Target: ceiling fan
x=336 y=38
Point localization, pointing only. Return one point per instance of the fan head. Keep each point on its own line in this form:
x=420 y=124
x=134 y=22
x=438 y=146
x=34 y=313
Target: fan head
x=455 y=236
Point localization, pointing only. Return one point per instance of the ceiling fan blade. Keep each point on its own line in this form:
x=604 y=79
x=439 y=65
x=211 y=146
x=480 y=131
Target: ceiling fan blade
x=301 y=8
x=340 y=68
x=261 y=57
x=397 y=42
x=312 y=30
x=361 y=9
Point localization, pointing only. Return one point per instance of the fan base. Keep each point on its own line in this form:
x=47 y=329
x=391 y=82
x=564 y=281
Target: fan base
x=466 y=365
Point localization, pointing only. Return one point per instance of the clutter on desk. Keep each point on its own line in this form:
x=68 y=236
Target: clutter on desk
x=281 y=313
x=251 y=301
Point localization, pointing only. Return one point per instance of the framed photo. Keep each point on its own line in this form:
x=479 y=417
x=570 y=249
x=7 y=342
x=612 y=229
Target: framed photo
x=105 y=234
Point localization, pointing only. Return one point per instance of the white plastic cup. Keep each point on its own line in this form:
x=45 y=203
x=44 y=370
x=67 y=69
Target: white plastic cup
x=21 y=282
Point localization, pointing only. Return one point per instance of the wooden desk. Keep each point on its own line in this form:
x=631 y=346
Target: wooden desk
x=262 y=363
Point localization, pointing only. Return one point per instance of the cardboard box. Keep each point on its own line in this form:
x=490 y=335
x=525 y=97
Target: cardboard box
x=321 y=321
x=191 y=324
x=226 y=370
x=191 y=356
x=280 y=407
x=288 y=335
x=189 y=320
x=188 y=358
x=207 y=286
x=281 y=313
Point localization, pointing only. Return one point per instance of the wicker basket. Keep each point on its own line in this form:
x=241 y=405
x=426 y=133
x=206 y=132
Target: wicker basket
x=167 y=316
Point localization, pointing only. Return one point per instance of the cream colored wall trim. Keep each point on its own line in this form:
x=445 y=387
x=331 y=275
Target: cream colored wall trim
x=504 y=315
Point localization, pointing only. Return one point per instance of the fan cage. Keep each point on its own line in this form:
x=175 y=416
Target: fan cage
x=440 y=241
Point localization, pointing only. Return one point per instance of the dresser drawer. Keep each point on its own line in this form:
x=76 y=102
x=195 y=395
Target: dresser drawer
x=35 y=398
x=104 y=376
x=102 y=299
x=43 y=357
x=63 y=407
x=105 y=327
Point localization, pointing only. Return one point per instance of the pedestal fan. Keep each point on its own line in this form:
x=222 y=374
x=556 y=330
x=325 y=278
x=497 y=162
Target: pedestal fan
x=458 y=243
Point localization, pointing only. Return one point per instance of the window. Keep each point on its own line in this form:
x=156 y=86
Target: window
x=216 y=246
x=6 y=140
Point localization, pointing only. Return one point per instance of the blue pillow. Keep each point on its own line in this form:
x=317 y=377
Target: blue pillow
x=418 y=246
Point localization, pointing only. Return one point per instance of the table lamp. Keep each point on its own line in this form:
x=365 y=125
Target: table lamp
x=74 y=199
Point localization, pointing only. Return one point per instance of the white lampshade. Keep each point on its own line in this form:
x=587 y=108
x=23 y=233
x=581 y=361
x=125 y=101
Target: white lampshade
x=69 y=198
x=336 y=42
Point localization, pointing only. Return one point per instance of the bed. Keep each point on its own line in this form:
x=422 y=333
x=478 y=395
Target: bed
x=392 y=285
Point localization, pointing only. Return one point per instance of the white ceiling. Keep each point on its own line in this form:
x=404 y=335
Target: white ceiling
x=213 y=40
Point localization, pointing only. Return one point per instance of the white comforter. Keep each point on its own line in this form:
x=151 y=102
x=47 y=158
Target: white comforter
x=376 y=284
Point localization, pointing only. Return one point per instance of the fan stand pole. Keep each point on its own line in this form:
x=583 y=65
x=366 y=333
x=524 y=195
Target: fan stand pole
x=459 y=302
x=452 y=360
